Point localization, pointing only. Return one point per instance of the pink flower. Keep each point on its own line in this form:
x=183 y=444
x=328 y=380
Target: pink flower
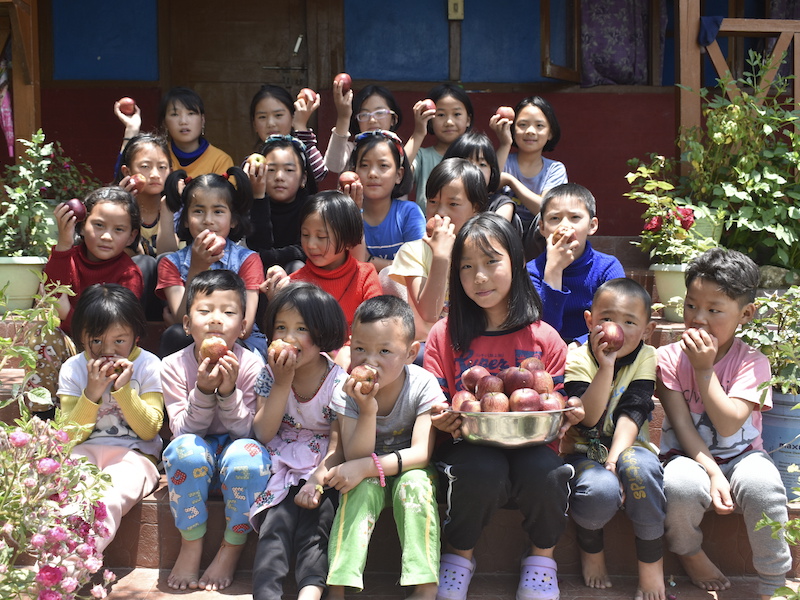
x=47 y=466
x=19 y=439
x=57 y=534
x=29 y=482
x=93 y=564
x=84 y=550
x=685 y=216
x=100 y=512
x=49 y=576
x=98 y=591
x=109 y=576
x=70 y=584
x=38 y=540
x=61 y=436
x=49 y=595
x=654 y=224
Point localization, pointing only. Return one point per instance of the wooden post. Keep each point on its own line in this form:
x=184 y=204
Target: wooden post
x=688 y=61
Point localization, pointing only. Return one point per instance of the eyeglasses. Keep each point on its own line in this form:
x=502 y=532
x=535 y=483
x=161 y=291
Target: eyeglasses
x=285 y=138
x=388 y=135
x=379 y=114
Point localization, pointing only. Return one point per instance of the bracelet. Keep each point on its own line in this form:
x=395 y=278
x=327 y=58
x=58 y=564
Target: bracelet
x=399 y=461
x=320 y=489
x=381 y=475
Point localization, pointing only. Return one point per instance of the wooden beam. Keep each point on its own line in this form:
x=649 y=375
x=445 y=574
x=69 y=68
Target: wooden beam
x=25 y=79
x=688 y=61
x=758 y=27
x=723 y=71
x=781 y=46
x=455 y=50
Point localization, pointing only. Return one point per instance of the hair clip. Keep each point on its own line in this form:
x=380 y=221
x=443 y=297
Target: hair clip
x=390 y=136
x=275 y=137
x=187 y=179
x=226 y=176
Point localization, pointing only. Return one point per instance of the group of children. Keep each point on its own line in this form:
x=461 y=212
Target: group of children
x=308 y=455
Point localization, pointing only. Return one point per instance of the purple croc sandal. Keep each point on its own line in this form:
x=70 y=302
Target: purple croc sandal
x=538 y=580
x=455 y=573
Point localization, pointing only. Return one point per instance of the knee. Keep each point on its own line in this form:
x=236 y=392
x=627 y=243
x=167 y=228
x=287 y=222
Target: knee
x=244 y=459
x=187 y=451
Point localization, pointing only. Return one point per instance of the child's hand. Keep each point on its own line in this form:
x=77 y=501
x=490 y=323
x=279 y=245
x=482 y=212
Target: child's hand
x=502 y=129
x=275 y=279
x=127 y=184
x=257 y=172
x=700 y=348
x=303 y=109
x=309 y=495
x=366 y=402
x=446 y=420
x=346 y=476
x=572 y=417
x=100 y=375
x=209 y=377
x=421 y=117
x=561 y=253
x=343 y=101
x=442 y=237
x=228 y=372
x=721 y=495
x=356 y=191
x=208 y=247
x=283 y=365
x=124 y=369
x=604 y=358
x=131 y=122
x=66 y=221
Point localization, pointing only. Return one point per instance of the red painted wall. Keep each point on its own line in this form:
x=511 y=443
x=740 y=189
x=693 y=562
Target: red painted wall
x=600 y=132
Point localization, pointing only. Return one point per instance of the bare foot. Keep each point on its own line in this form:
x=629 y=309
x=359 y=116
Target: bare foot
x=310 y=592
x=594 y=570
x=219 y=573
x=424 y=591
x=651 y=581
x=704 y=573
x=187 y=567
x=335 y=592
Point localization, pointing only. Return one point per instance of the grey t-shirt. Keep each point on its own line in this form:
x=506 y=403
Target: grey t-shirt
x=393 y=431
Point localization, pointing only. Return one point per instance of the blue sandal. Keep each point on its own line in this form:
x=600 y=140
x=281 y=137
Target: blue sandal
x=455 y=573
x=538 y=580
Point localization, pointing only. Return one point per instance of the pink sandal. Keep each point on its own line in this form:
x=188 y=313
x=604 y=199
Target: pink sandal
x=538 y=580
x=455 y=573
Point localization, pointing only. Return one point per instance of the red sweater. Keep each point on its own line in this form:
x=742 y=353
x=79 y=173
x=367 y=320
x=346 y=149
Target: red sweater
x=73 y=267
x=350 y=284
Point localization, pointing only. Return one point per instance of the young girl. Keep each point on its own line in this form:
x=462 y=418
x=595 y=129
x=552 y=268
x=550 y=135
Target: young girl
x=113 y=388
x=294 y=421
x=456 y=191
x=380 y=162
x=279 y=198
x=111 y=225
x=374 y=107
x=452 y=118
x=494 y=321
x=211 y=405
x=214 y=217
x=273 y=112
x=182 y=116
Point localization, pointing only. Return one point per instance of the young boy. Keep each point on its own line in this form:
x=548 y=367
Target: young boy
x=615 y=464
x=211 y=404
x=387 y=439
x=568 y=273
x=708 y=384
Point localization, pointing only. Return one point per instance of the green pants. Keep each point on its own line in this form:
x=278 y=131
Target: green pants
x=413 y=500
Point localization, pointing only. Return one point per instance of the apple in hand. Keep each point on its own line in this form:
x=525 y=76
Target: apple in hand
x=428 y=104
x=213 y=348
x=471 y=406
x=494 y=402
x=213 y=240
x=551 y=401
x=532 y=364
x=280 y=345
x=490 y=383
x=366 y=375
x=429 y=225
x=470 y=377
x=307 y=94
x=460 y=397
x=139 y=181
x=348 y=178
x=515 y=378
x=345 y=80
x=564 y=231
x=127 y=106
x=524 y=400
x=255 y=159
x=612 y=335
x=505 y=112
x=542 y=382
x=77 y=208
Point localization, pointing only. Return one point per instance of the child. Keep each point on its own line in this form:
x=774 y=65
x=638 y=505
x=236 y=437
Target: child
x=279 y=197
x=214 y=216
x=373 y=108
x=709 y=386
x=380 y=162
x=112 y=224
x=456 y=191
x=387 y=440
x=568 y=273
x=294 y=421
x=182 y=115
x=615 y=463
x=273 y=112
x=113 y=388
x=494 y=321
x=211 y=407
x=451 y=118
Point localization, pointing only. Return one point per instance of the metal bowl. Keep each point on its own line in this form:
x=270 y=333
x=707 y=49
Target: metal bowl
x=511 y=429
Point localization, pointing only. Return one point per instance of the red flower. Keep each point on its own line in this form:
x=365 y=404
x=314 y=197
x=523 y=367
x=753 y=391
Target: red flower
x=654 y=224
x=685 y=216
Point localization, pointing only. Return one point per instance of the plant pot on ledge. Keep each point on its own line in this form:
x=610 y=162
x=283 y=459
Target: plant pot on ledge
x=21 y=274
x=671 y=287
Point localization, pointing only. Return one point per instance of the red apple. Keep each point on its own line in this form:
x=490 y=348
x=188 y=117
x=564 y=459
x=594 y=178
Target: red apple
x=515 y=378
x=127 y=106
x=255 y=159
x=429 y=226
x=308 y=95
x=564 y=231
x=215 y=241
x=542 y=382
x=274 y=270
x=367 y=375
x=490 y=383
x=532 y=364
x=78 y=209
x=460 y=397
x=139 y=181
x=524 y=400
x=348 y=178
x=213 y=348
x=494 y=402
x=551 y=402
x=471 y=406
x=428 y=104
x=505 y=112
x=612 y=335
x=345 y=80
x=470 y=377
x=281 y=345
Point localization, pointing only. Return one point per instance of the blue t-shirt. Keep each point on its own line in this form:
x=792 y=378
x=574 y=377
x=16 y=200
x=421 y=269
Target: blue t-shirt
x=404 y=223
x=553 y=173
x=563 y=309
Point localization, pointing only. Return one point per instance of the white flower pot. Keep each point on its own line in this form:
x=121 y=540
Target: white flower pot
x=671 y=286
x=21 y=275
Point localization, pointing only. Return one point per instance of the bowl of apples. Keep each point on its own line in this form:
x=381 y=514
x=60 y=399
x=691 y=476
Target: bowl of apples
x=515 y=408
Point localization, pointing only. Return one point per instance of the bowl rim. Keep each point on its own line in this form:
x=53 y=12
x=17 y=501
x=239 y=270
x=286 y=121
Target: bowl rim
x=517 y=412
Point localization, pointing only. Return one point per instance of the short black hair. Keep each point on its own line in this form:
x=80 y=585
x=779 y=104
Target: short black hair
x=375 y=90
x=321 y=313
x=103 y=305
x=574 y=190
x=473 y=145
x=341 y=216
x=215 y=280
x=549 y=114
x=113 y=194
x=736 y=274
x=383 y=307
x=368 y=142
x=190 y=99
x=453 y=91
x=451 y=169
x=624 y=286
x=135 y=144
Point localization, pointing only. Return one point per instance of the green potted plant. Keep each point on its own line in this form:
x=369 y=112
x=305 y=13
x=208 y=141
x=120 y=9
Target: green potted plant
x=42 y=178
